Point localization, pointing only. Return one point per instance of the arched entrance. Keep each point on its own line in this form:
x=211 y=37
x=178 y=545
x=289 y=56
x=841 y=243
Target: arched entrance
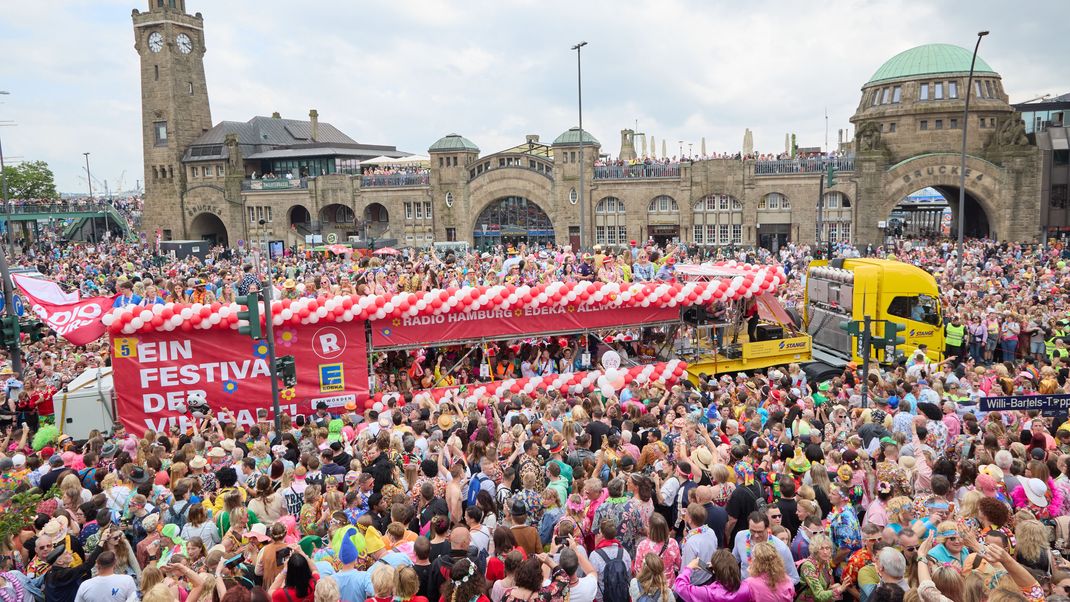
x=376 y=220
x=208 y=226
x=510 y=221
x=300 y=217
x=338 y=219
x=932 y=212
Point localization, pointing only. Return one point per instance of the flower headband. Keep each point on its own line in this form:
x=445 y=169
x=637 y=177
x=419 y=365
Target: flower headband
x=471 y=571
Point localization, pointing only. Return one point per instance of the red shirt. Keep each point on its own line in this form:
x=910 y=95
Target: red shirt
x=289 y=594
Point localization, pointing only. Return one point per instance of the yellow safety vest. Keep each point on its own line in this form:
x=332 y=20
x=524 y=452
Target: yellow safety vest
x=1058 y=353
x=955 y=335
x=1049 y=345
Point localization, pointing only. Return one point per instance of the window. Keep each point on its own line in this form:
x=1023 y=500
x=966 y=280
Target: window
x=612 y=235
x=610 y=204
x=219 y=171
x=832 y=232
x=440 y=161
x=268 y=213
x=876 y=97
x=891 y=128
x=419 y=210
x=924 y=125
x=920 y=308
x=924 y=94
x=573 y=196
x=897 y=94
x=1060 y=157
x=699 y=238
x=977 y=88
x=160 y=127
x=1058 y=196
x=952 y=89
x=954 y=124
x=451 y=234
x=725 y=234
x=886 y=95
x=449 y=199
x=982 y=121
x=156 y=72
x=252 y=214
x=193 y=171
x=989 y=89
x=259 y=213
x=600 y=235
x=939 y=124
x=408 y=210
x=427 y=209
x=938 y=90
x=737 y=234
x=190 y=85
x=622 y=234
x=836 y=200
x=572 y=157
x=774 y=201
x=992 y=122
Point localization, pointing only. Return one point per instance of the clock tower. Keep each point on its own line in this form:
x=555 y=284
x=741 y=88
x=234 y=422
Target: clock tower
x=174 y=107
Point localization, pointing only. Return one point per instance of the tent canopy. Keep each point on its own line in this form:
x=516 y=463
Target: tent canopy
x=410 y=160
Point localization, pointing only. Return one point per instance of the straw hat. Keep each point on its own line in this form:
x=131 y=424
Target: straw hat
x=703 y=459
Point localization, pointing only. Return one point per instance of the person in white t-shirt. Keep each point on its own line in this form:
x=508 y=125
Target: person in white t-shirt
x=573 y=559
x=107 y=586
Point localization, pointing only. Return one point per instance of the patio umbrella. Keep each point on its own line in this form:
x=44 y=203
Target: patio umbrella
x=386 y=251
x=703 y=146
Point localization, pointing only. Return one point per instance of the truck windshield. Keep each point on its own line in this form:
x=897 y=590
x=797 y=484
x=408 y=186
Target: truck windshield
x=920 y=308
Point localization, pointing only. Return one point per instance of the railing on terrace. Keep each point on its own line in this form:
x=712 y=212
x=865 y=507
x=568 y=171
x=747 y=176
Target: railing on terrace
x=639 y=170
x=809 y=165
x=511 y=161
x=395 y=180
x=274 y=184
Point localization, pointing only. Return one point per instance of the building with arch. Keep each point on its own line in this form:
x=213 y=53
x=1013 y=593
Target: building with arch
x=205 y=181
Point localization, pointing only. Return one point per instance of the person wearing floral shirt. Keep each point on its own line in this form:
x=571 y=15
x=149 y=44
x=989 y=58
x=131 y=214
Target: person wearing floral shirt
x=843 y=525
x=817 y=583
x=871 y=534
x=614 y=505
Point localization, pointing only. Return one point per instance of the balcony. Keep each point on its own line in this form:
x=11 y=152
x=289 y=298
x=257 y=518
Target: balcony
x=273 y=184
x=637 y=171
x=395 y=180
x=802 y=166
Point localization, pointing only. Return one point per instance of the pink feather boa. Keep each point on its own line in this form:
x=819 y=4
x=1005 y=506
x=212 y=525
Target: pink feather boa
x=1057 y=501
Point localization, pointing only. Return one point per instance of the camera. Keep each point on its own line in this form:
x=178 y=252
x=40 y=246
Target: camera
x=281 y=556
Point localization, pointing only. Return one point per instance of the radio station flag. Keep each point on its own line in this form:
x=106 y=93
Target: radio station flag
x=77 y=320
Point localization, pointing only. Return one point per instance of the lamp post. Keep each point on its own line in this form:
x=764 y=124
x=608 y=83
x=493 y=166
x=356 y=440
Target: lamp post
x=9 y=293
x=962 y=167
x=268 y=284
x=579 y=98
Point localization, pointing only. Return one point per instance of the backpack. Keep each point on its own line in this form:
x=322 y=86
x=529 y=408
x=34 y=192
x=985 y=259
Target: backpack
x=178 y=518
x=759 y=500
x=474 y=486
x=614 y=576
x=88 y=477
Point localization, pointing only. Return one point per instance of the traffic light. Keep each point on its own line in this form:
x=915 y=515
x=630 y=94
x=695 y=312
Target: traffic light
x=852 y=327
x=286 y=370
x=830 y=174
x=250 y=311
x=9 y=326
x=37 y=330
x=891 y=333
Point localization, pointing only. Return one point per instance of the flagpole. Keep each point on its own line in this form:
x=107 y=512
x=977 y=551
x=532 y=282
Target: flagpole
x=9 y=302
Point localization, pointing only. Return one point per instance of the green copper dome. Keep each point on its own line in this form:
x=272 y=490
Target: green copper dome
x=572 y=136
x=930 y=59
x=453 y=143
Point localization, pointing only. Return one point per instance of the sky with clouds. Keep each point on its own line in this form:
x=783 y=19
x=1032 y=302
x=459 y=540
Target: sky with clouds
x=406 y=73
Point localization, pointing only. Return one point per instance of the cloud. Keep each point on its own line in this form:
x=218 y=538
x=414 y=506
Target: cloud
x=406 y=73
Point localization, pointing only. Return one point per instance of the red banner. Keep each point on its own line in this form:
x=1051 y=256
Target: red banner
x=78 y=321
x=156 y=372
x=518 y=322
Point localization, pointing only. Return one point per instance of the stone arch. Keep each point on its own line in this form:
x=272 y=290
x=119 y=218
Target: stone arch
x=210 y=227
x=376 y=219
x=511 y=220
x=942 y=172
x=517 y=183
x=298 y=214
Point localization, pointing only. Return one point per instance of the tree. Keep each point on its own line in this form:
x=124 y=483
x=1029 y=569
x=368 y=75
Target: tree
x=30 y=180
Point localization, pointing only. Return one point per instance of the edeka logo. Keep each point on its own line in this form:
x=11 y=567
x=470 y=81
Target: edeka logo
x=792 y=344
x=332 y=378
x=921 y=333
x=329 y=342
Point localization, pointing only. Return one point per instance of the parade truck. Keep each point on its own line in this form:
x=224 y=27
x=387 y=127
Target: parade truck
x=841 y=293
x=739 y=334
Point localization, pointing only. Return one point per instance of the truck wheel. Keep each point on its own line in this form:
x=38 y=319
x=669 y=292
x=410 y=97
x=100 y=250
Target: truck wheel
x=820 y=371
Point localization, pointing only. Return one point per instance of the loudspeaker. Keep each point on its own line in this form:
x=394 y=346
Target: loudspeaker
x=770 y=332
x=696 y=315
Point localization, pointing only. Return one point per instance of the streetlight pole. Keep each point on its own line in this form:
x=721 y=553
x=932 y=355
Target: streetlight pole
x=579 y=99
x=268 y=285
x=962 y=167
x=5 y=273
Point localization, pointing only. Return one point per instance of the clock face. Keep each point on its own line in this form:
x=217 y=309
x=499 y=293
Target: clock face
x=185 y=45
x=155 y=41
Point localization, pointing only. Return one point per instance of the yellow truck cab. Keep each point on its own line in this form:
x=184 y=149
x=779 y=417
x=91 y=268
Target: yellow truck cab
x=884 y=289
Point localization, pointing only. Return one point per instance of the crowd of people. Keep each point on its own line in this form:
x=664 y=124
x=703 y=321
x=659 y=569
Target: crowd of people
x=762 y=486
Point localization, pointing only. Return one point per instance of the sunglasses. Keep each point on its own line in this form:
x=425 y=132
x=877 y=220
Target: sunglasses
x=775 y=517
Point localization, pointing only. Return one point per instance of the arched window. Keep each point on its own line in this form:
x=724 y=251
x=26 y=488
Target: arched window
x=837 y=200
x=573 y=196
x=610 y=204
x=663 y=204
x=774 y=201
x=610 y=223
x=718 y=220
x=344 y=215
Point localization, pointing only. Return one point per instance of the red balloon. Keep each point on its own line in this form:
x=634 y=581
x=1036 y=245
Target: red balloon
x=304 y=312
x=436 y=303
x=186 y=326
x=295 y=320
x=215 y=306
x=404 y=305
x=157 y=321
x=347 y=302
x=167 y=313
x=196 y=319
x=313 y=305
x=231 y=319
x=380 y=301
x=116 y=327
x=286 y=303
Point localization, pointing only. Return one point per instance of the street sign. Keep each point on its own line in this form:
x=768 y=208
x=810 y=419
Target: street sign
x=20 y=309
x=1044 y=403
x=332 y=238
x=241 y=242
